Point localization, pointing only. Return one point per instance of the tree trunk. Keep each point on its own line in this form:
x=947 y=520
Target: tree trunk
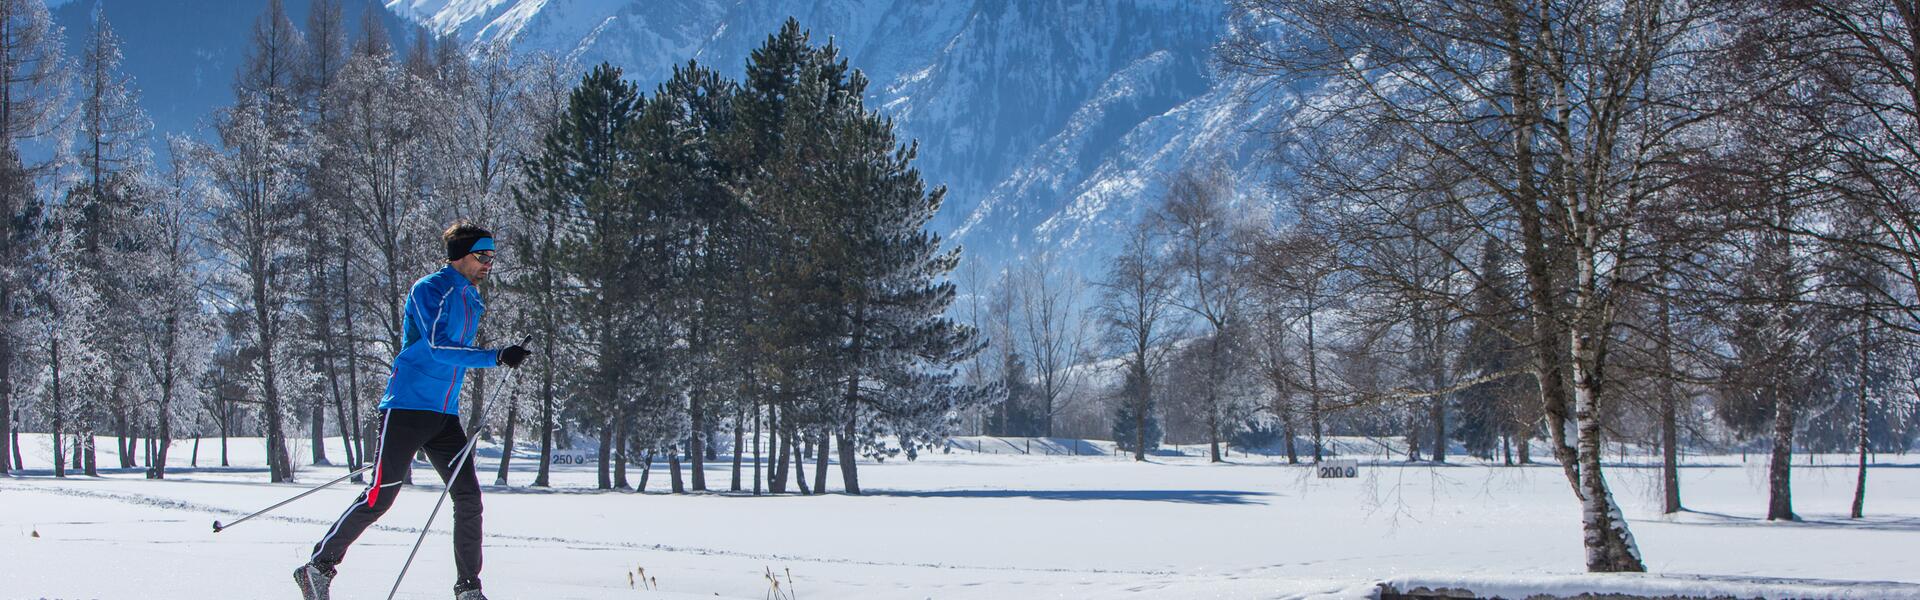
x=546 y=416
x=123 y=441
x=696 y=446
x=329 y=348
x=605 y=456
x=9 y=435
x=59 y=411
x=226 y=420
x=89 y=445
x=1213 y=430
x=756 y=449
x=849 y=472
x=820 y=462
x=352 y=400
x=279 y=467
x=1439 y=416
x=1609 y=545
x=1313 y=382
x=673 y=468
x=620 y=456
x=13 y=439
x=799 y=465
x=506 y=447
x=1669 y=417
x=646 y=471
x=1860 y=426
x=1287 y=432
x=784 y=448
x=739 y=443
x=163 y=431
x=318 y=428
x=1780 y=471
x=1414 y=440
x=1142 y=397
x=1669 y=452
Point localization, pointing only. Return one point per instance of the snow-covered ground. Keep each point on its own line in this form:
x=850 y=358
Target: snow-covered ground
x=970 y=525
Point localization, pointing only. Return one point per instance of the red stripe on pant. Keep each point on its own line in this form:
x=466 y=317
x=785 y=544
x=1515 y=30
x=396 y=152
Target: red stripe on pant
x=373 y=493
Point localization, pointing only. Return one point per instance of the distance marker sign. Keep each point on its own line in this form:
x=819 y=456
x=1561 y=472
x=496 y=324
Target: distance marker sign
x=1339 y=468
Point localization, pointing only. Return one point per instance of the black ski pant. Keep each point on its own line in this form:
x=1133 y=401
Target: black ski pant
x=402 y=433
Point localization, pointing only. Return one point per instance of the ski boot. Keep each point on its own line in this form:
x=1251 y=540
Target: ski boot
x=314 y=579
x=467 y=589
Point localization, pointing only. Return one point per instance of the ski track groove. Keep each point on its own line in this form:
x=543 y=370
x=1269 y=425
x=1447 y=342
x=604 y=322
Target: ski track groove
x=171 y=504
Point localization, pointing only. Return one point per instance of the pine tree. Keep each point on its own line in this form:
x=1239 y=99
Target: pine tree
x=695 y=107
x=1492 y=411
x=861 y=344
x=575 y=190
x=538 y=210
x=1136 y=428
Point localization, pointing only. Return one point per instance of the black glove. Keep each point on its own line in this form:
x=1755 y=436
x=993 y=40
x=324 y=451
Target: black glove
x=512 y=355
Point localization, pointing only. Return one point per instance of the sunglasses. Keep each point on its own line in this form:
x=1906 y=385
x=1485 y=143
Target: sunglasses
x=485 y=259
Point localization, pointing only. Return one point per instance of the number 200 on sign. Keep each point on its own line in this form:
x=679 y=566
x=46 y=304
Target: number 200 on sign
x=1338 y=469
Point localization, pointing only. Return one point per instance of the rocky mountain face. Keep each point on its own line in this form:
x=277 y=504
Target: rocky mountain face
x=1053 y=124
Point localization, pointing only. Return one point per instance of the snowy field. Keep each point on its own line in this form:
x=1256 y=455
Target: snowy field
x=969 y=525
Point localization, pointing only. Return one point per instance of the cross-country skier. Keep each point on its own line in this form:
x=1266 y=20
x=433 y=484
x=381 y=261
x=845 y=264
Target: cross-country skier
x=421 y=409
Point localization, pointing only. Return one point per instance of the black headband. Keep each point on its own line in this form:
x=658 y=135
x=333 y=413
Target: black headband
x=462 y=246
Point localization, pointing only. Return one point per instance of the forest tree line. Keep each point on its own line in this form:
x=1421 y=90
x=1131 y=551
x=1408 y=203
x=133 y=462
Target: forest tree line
x=1510 y=224
x=1496 y=224
x=727 y=263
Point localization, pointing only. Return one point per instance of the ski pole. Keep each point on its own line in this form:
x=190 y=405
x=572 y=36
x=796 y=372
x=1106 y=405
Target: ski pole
x=217 y=527
x=460 y=462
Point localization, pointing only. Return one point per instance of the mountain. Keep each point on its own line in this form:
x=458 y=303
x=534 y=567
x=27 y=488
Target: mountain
x=1053 y=124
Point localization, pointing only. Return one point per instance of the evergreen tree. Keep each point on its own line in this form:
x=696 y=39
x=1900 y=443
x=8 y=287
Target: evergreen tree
x=1136 y=428
x=575 y=190
x=695 y=115
x=1495 y=410
x=860 y=290
x=537 y=283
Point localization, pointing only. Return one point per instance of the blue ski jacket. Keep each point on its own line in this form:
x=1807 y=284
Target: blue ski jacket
x=436 y=348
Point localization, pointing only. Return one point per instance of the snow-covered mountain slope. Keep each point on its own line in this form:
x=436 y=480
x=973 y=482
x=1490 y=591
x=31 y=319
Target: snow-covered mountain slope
x=1052 y=123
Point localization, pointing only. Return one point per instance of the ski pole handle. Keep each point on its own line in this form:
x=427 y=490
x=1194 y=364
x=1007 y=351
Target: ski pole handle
x=217 y=527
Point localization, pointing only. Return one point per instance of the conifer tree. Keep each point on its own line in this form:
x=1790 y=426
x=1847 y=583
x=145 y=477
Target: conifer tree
x=575 y=192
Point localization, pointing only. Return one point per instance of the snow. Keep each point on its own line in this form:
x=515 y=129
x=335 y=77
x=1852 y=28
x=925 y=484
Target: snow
x=977 y=525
